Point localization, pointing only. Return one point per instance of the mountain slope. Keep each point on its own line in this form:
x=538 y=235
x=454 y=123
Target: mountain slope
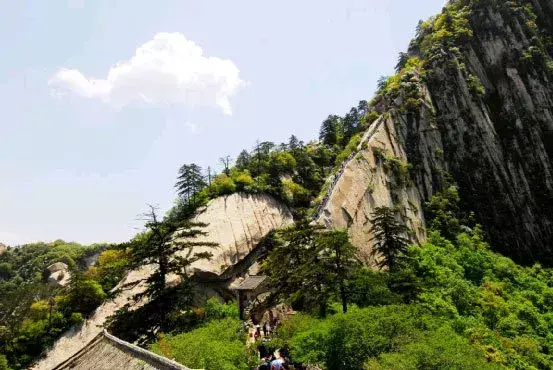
x=473 y=105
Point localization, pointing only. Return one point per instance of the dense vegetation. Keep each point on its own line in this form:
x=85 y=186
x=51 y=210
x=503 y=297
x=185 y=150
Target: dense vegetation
x=215 y=341
x=451 y=303
x=33 y=312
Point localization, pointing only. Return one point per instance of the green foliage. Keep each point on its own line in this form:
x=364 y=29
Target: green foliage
x=351 y=147
x=4 y=363
x=443 y=212
x=222 y=185
x=84 y=295
x=449 y=29
x=190 y=182
x=442 y=349
x=219 y=344
x=472 y=309
x=318 y=266
x=346 y=341
x=34 y=313
x=110 y=268
x=160 y=246
x=214 y=310
x=370 y=288
x=475 y=86
x=388 y=236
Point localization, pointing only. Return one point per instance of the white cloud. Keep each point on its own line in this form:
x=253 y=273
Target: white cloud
x=169 y=69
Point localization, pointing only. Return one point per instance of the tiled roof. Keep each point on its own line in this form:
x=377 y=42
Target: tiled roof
x=250 y=282
x=106 y=352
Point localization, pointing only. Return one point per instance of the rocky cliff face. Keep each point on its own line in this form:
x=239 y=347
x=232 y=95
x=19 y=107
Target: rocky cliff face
x=236 y=222
x=376 y=175
x=479 y=106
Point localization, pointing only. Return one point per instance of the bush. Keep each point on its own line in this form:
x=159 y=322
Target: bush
x=370 y=288
x=443 y=349
x=475 y=86
x=350 y=148
x=85 y=296
x=3 y=363
x=214 y=310
x=346 y=341
x=217 y=345
x=222 y=185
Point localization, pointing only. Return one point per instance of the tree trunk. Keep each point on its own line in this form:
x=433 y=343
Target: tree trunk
x=343 y=296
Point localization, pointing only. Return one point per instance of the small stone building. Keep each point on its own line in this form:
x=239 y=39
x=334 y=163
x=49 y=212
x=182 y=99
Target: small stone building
x=248 y=289
x=106 y=352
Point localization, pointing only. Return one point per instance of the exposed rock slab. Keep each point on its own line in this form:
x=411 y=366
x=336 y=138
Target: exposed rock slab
x=364 y=183
x=237 y=223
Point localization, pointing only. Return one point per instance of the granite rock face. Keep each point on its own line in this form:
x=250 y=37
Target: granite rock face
x=369 y=179
x=237 y=223
x=495 y=142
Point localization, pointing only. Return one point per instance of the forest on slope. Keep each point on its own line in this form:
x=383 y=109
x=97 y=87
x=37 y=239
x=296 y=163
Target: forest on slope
x=452 y=302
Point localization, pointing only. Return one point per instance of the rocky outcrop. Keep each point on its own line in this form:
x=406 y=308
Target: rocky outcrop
x=483 y=114
x=374 y=176
x=3 y=248
x=59 y=274
x=236 y=222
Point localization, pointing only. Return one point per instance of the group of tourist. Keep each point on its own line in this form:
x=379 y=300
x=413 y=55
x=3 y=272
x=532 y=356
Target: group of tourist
x=274 y=362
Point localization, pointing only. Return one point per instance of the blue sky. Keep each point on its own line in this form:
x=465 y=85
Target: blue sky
x=103 y=100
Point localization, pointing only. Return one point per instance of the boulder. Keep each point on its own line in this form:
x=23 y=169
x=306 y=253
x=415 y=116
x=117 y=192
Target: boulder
x=59 y=274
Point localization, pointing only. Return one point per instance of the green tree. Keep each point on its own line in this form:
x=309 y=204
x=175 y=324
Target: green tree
x=329 y=131
x=338 y=260
x=190 y=182
x=84 y=294
x=308 y=266
x=3 y=363
x=349 y=126
x=219 y=344
x=388 y=236
x=169 y=245
x=243 y=160
x=401 y=61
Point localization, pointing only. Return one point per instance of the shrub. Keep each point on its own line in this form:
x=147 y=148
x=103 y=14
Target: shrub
x=443 y=349
x=3 y=363
x=219 y=344
x=350 y=148
x=222 y=185
x=475 y=86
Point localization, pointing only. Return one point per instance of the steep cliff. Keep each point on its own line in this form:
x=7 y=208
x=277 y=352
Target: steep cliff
x=236 y=222
x=373 y=176
x=474 y=100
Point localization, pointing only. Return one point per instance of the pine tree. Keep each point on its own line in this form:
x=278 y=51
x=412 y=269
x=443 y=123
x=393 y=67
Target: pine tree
x=330 y=127
x=349 y=126
x=169 y=245
x=243 y=160
x=338 y=260
x=388 y=236
x=190 y=182
x=309 y=265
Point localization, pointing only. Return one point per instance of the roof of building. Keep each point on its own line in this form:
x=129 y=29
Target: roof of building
x=250 y=282
x=106 y=352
